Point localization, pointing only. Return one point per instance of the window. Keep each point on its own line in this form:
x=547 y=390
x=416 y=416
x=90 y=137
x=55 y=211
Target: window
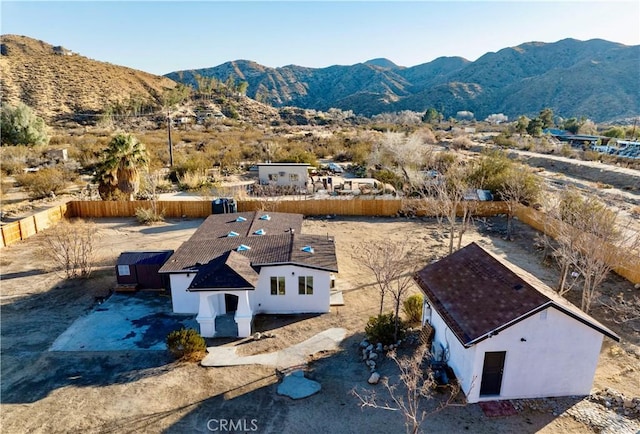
x=277 y=285
x=305 y=285
x=294 y=177
x=273 y=177
x=123 y=270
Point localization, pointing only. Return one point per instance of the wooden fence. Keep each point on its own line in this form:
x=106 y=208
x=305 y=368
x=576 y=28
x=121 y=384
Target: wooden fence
x=19 y=230
x=627 y=265
x=28 y=226
x=311 y=207
x=171 y=209
x=347 y=207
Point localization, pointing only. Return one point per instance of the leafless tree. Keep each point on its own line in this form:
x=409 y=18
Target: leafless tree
x=399 y=288
x=416 y=386
x=70 y=247
x=406 y=155
x=386 y=260
x=453 y=212
x=590 y=238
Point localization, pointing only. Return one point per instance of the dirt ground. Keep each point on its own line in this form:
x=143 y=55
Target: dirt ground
x=145 y=391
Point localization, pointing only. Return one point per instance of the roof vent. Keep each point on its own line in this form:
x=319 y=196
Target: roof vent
x=241 y=219
x=260 y=232
x=243 y=248
x=518 y=286
x=307 y=249
x=233 y=234
x=265 y=217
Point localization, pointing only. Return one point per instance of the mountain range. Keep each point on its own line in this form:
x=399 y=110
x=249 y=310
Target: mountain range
x=595 y=79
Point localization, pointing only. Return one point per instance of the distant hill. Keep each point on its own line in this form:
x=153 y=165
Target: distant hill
x=596 y=79
x=56 y=82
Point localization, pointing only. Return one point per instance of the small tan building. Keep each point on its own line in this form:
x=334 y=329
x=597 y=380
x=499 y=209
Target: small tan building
x=284 y=174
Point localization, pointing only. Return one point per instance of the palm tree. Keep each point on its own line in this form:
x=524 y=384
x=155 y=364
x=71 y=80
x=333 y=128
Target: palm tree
x=119 y=172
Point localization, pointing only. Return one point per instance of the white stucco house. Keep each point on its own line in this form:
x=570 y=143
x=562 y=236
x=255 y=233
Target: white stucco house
x=284 y=174
x=506 y=334
x=242 y=264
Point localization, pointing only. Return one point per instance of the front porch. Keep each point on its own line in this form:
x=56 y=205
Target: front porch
x=224 y=314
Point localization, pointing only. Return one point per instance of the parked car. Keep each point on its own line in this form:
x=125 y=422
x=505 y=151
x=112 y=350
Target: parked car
x=333 y=167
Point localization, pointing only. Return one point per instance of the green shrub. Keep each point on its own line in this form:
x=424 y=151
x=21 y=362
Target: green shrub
x=381 y=329
x=42 y=183
x=412 y=308
x=149 y=216
x=186 y=344
x=504 y=141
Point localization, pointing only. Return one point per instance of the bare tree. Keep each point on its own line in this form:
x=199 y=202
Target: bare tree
x=590 y=238
x=386 y=261
x=404 y=155
x=416 y=386
x=70 y=247
x=453 y=212
x=399 y=288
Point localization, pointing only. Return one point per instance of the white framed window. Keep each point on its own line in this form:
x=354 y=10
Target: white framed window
x=305 y=285
x=273 y=177
x=277 y=285
x=124 y=270
x=294 y=177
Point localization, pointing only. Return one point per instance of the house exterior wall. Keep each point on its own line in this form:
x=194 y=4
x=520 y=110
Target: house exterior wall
x=558 y=357
x=183 y=301
x=291 y=302
x=461 y=359
x=283 y=174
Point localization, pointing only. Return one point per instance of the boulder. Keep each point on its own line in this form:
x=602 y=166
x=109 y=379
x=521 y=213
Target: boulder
x=374 y=378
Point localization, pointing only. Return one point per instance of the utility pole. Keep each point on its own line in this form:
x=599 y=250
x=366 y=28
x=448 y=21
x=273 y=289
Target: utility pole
x=169 y=135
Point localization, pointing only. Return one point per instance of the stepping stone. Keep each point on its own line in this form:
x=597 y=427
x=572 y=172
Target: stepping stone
x=296 y=386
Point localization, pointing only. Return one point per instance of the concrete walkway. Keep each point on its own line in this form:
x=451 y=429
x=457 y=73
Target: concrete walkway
x=293 y=356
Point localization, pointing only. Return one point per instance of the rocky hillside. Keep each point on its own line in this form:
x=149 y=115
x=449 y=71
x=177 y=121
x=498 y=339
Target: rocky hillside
x=56 y=82
x=596 y=79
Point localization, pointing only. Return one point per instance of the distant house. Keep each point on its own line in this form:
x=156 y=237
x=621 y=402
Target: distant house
x=140 y=270
x=505 y=334
x=238 y=265
x=284 y=174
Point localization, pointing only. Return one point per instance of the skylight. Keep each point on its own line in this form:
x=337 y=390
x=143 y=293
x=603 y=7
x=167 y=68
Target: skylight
x=260 y=232
x=233 y=234
x=241 y=219
x=242 y=248
x=265 y=217
x=307 y=249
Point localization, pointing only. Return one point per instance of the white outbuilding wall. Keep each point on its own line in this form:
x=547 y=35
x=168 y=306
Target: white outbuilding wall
x=548 y=354
x=284 y=174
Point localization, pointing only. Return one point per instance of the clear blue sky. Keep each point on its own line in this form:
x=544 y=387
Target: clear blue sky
x=160 y=37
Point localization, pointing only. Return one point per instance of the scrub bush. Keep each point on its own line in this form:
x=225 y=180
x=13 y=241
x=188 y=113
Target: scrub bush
x=186 y=344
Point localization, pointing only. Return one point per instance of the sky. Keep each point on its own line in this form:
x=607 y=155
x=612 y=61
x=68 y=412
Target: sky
x=164 y=36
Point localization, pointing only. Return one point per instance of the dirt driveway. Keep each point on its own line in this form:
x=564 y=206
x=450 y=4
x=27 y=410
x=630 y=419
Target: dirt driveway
x=144 y=391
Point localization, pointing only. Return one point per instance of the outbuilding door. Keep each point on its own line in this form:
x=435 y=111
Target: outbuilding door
x=492 y=373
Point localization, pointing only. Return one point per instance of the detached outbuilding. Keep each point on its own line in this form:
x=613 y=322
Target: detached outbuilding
x=506 y=334
x=139 y=270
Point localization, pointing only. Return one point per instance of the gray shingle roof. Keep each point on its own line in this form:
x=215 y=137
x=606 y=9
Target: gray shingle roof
x=219 y=225
x=477 y=293
x=230 y=270
x=220 y=265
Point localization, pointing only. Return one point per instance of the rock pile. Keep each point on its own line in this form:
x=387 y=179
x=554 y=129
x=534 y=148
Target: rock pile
x=371 y=355
x=616 y=401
